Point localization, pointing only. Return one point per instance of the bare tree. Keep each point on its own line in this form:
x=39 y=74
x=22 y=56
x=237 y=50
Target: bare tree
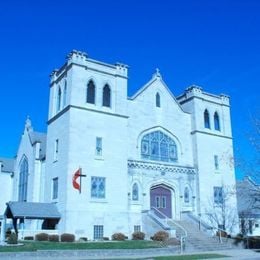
x=221 y=213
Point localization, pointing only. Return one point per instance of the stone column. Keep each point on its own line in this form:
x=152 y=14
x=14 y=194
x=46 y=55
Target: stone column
x=3 y=223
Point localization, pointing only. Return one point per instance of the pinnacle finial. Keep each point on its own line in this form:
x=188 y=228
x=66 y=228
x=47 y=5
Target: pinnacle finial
x=28 y=124
x=157 y=73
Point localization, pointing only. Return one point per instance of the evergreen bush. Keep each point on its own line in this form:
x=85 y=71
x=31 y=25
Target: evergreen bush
x=118 y=236
x=138 y=235
x=66 y=237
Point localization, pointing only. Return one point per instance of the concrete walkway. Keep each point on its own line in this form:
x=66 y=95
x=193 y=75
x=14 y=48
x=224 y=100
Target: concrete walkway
x=122 y=254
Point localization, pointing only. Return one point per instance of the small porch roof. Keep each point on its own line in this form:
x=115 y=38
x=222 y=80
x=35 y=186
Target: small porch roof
x=31 y=210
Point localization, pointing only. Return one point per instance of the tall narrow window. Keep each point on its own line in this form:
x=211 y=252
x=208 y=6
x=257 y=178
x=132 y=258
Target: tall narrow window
x=98 y=146
x=91 y=92
x=216 y=162
x=206 y=119
x=186 y=195
x=23 y=181
x=55 y=188
x=65 y=94
x=56 y=149
x=158 y=100
x=58 y=107
x=218 y=195
x=135 y=193
x=106 y=96
x=216 y=122
x=157 y=202
x=163 y=202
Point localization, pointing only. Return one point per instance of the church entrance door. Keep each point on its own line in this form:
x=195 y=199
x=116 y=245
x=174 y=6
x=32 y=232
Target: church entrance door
x=161 y=199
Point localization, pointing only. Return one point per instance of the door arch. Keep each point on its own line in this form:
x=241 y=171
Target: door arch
x=161 y=199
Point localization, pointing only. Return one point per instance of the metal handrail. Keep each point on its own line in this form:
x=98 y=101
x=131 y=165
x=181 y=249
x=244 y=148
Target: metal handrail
x=198 y=219
x=182 y=238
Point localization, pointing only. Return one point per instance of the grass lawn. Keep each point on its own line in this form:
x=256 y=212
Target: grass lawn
x=35 y=245
x=190 y=257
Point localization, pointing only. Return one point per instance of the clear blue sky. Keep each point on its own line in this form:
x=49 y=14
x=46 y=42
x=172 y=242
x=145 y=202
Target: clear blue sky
x=213 y=44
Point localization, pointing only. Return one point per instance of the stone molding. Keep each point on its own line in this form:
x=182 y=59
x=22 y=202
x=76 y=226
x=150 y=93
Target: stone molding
x=162 y=167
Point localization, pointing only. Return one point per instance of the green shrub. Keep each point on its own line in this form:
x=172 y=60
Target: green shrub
x=253 y=242
x=138 y=235
x=160 y=236
x=54 y=238
x=29 y=238
x=8 y=233
x=105 y=238
x=118 y=236
x=42 y=237
x=66 y=237
x=12 y=239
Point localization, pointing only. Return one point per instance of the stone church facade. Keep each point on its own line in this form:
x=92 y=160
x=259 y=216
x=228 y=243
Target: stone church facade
x=112 y=163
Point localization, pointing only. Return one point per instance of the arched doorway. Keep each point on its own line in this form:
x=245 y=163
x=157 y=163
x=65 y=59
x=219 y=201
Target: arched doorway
x=161 y=200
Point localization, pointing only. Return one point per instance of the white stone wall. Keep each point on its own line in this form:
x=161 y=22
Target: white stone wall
x=28 y=151
x=6 y=189
x=210 y=142
x=121 y=128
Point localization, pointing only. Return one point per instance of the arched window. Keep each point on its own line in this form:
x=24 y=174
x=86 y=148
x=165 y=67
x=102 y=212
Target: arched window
x=135 y=193
x=65 y=94
x=216 y=122
x=206 y=119
x=58 y=100
x=186 y=195
x=91 y=92
x=158 y=146
x=23 y=181
x=106 y=96
x=158 y=100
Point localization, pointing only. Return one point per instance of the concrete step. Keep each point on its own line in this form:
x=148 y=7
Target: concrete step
x=199 y=240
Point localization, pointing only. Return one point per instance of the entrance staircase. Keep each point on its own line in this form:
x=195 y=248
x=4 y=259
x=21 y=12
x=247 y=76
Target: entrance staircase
x=198 y=240
x=193 y=234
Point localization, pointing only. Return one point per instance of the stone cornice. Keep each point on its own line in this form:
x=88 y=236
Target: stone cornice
x=83 y=108
x=209 y=133
x=158 y=166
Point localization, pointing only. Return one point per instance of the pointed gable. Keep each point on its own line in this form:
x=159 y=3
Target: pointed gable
x=157 y=85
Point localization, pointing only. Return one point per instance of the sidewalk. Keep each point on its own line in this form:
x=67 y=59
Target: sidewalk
x=122 y=254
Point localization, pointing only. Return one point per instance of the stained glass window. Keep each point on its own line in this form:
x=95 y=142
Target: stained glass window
x=158 y=146
x=135 y=195
x=23 y=181
x=98 y=187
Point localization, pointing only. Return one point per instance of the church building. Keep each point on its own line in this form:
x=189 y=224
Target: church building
x=113 y=163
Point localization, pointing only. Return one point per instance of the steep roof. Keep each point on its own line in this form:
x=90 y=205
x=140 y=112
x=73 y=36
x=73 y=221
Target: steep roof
x=38 y=137
x=7 y=164
x=156 y=77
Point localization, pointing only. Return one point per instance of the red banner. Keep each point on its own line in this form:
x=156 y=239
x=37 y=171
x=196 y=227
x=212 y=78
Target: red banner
x=75 y=177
